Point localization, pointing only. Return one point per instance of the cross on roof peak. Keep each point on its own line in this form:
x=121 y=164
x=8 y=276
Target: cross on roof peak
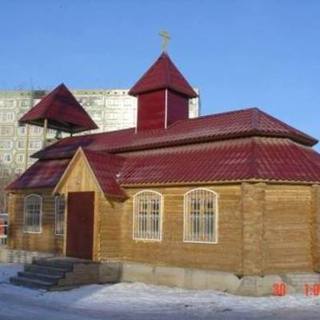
x=165 y=39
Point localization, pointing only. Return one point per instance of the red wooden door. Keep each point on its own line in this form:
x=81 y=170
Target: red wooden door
x=80 y=225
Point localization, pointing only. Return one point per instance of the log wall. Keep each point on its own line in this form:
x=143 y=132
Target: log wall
x=315 y=220
x=263 y=228
x=253 y=205
x=288 y=229
x=225 y=255
x=47 y=241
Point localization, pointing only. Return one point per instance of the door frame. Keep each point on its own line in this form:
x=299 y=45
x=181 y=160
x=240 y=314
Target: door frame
x=95 y=221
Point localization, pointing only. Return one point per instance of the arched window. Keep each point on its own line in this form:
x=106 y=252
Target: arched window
x=147 y=215
x=59 y=214
x=201 y=216
x=32 y=213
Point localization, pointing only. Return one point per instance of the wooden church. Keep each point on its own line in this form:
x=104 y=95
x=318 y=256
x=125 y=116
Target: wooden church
x=236 y=192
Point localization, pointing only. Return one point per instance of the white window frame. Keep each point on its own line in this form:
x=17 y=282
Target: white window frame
x=135 y=213
x=185 y=213
x=56 y=206
x=25 y=210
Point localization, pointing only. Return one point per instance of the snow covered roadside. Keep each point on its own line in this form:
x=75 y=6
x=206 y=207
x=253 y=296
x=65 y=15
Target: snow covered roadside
x=140 y=301
x=8 y=270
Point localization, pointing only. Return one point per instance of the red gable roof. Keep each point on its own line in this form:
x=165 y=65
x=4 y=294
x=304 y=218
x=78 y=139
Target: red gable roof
x=106 y=168
x=235 y=124
x=62 y=110
x=161 y=75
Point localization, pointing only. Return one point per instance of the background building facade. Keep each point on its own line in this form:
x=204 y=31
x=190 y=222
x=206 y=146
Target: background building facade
x=110 y=109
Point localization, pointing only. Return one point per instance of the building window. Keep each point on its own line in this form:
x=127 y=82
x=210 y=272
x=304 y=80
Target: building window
x=19 y=157
x=6 y=130
x=201 y=216
x=36 y=130
x=35 y=144
x=6 y=145
x=7 y=158
x=147 y=212
x=20 y=144
x=32 y=213
x=21 y=131
x=6 y=116
x=5 y=172
x=18 y=171
x=59 y=213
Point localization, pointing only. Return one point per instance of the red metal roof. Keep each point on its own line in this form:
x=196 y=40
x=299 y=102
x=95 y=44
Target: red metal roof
x=235 y=124
x=106 y=168
x=267 y=159
x=246 y=159
x=163 y=74
x=62 y=110
x=42 y=174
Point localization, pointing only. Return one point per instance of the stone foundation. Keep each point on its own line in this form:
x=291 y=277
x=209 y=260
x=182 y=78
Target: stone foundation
x=195 y=279
x=20 y=256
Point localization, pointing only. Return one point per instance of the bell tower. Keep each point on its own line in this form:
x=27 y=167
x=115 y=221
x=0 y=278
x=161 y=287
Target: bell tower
x=163 y=95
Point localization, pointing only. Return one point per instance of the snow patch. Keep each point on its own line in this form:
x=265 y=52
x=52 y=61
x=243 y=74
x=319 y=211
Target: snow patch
x=142 y=301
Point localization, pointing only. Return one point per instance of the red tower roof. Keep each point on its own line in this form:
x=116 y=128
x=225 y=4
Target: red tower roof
x=163 y=74
x=62 y=110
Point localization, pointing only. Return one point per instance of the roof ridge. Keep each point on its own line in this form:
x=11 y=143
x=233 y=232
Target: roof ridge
x=307 y=156
x=290 y=128
x=256 y=119
x=105 y=153
x=214 y=115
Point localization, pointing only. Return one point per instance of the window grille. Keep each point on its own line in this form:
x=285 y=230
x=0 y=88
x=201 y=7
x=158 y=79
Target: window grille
x=200 y=216
x=32 y=213
x=3 y=229
x=59 y=213
x=147 y=216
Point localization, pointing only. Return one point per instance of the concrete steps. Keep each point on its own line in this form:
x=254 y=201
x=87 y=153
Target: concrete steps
x=57 y=273
x=65 y=265
x=40 y=276
x=43 y=273
x=31 y=283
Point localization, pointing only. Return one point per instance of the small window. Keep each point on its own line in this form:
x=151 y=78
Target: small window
x=32 y=213
x=147 y=216
x=35 y=144
x=200 y=216
x=59 y=213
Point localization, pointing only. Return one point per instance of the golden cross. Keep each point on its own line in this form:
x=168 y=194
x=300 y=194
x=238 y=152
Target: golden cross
x=165 y=39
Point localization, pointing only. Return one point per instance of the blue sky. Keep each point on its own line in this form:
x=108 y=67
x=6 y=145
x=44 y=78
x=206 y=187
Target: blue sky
x=240 y=53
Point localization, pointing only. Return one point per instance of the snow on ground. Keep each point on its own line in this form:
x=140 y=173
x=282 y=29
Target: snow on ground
x=8 y=270
x=145 y=302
